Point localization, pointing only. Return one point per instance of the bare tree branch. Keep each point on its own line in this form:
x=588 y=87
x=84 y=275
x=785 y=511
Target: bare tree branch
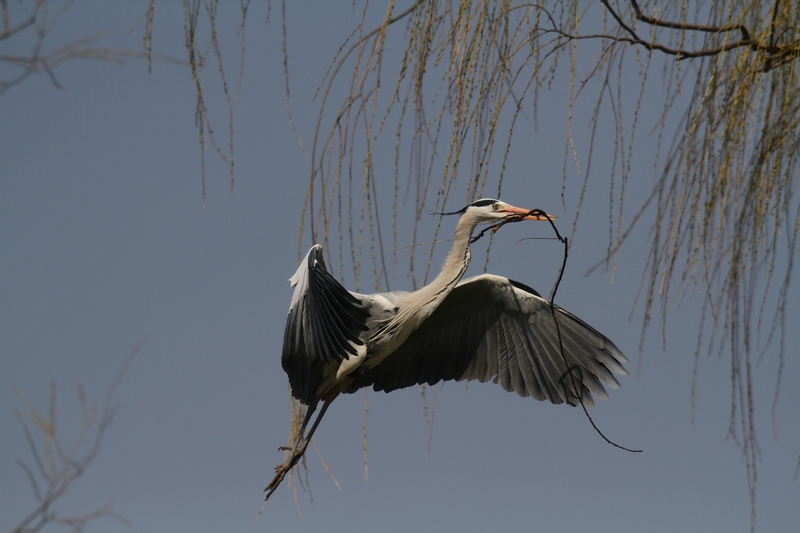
x=59 y=466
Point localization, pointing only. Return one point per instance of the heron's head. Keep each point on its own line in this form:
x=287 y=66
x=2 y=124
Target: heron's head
x=491 y=210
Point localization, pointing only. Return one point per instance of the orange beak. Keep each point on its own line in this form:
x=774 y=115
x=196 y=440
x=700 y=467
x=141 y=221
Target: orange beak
x=517 y=211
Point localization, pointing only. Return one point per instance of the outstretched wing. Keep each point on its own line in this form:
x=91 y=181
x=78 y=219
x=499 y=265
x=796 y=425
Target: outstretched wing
x=490 y=327
x=324 y=322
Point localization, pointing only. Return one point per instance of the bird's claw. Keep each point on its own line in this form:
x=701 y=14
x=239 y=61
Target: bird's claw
x=285 y=467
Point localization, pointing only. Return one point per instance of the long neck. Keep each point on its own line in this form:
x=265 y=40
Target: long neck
x=417 y=306
x=453 y=269
x=458 y=259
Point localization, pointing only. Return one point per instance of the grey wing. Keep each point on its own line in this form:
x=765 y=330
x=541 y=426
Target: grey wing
x=324 y=322
x=490 y=327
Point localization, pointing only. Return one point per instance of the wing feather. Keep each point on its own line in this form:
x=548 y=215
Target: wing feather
x=323 y=325
x=539 y=353
x=492 y=328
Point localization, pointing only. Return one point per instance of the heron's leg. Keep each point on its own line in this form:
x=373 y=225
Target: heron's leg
x=299 y=436
x=325 y=405
x=299 y=448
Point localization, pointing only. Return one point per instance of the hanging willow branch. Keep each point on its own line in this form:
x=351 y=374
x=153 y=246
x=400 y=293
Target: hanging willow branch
x=199 y=47
x=774 y=54
x=723 y=212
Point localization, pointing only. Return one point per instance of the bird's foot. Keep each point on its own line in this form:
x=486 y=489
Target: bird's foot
x=280 y=473
x=285 y=467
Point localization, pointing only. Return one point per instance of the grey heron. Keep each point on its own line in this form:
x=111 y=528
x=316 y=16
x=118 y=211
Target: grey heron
x=485 y=328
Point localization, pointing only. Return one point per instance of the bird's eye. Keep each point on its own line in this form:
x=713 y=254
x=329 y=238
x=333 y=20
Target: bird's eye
x=495 y=206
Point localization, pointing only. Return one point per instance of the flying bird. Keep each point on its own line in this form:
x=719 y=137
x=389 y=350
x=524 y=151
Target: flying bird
x=485 y=328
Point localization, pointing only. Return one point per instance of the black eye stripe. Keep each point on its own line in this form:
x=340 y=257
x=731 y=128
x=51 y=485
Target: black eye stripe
x=483 y=202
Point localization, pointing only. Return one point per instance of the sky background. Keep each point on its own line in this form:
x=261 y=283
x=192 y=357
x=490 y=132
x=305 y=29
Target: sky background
x=105 y=244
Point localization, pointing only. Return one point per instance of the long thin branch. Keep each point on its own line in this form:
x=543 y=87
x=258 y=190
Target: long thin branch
x=684 y=25
x=30 y=21
x=776 y=54
x=772 y=23
x=578 y=393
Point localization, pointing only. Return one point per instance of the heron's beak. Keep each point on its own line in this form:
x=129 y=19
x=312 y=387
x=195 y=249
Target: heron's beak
x=517 y=211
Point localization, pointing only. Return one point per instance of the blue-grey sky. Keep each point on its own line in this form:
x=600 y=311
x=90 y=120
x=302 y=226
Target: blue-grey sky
x=105 y=244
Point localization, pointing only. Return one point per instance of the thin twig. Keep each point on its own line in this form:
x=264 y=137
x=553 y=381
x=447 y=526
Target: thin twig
x=565 y=241
x=57 y=468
